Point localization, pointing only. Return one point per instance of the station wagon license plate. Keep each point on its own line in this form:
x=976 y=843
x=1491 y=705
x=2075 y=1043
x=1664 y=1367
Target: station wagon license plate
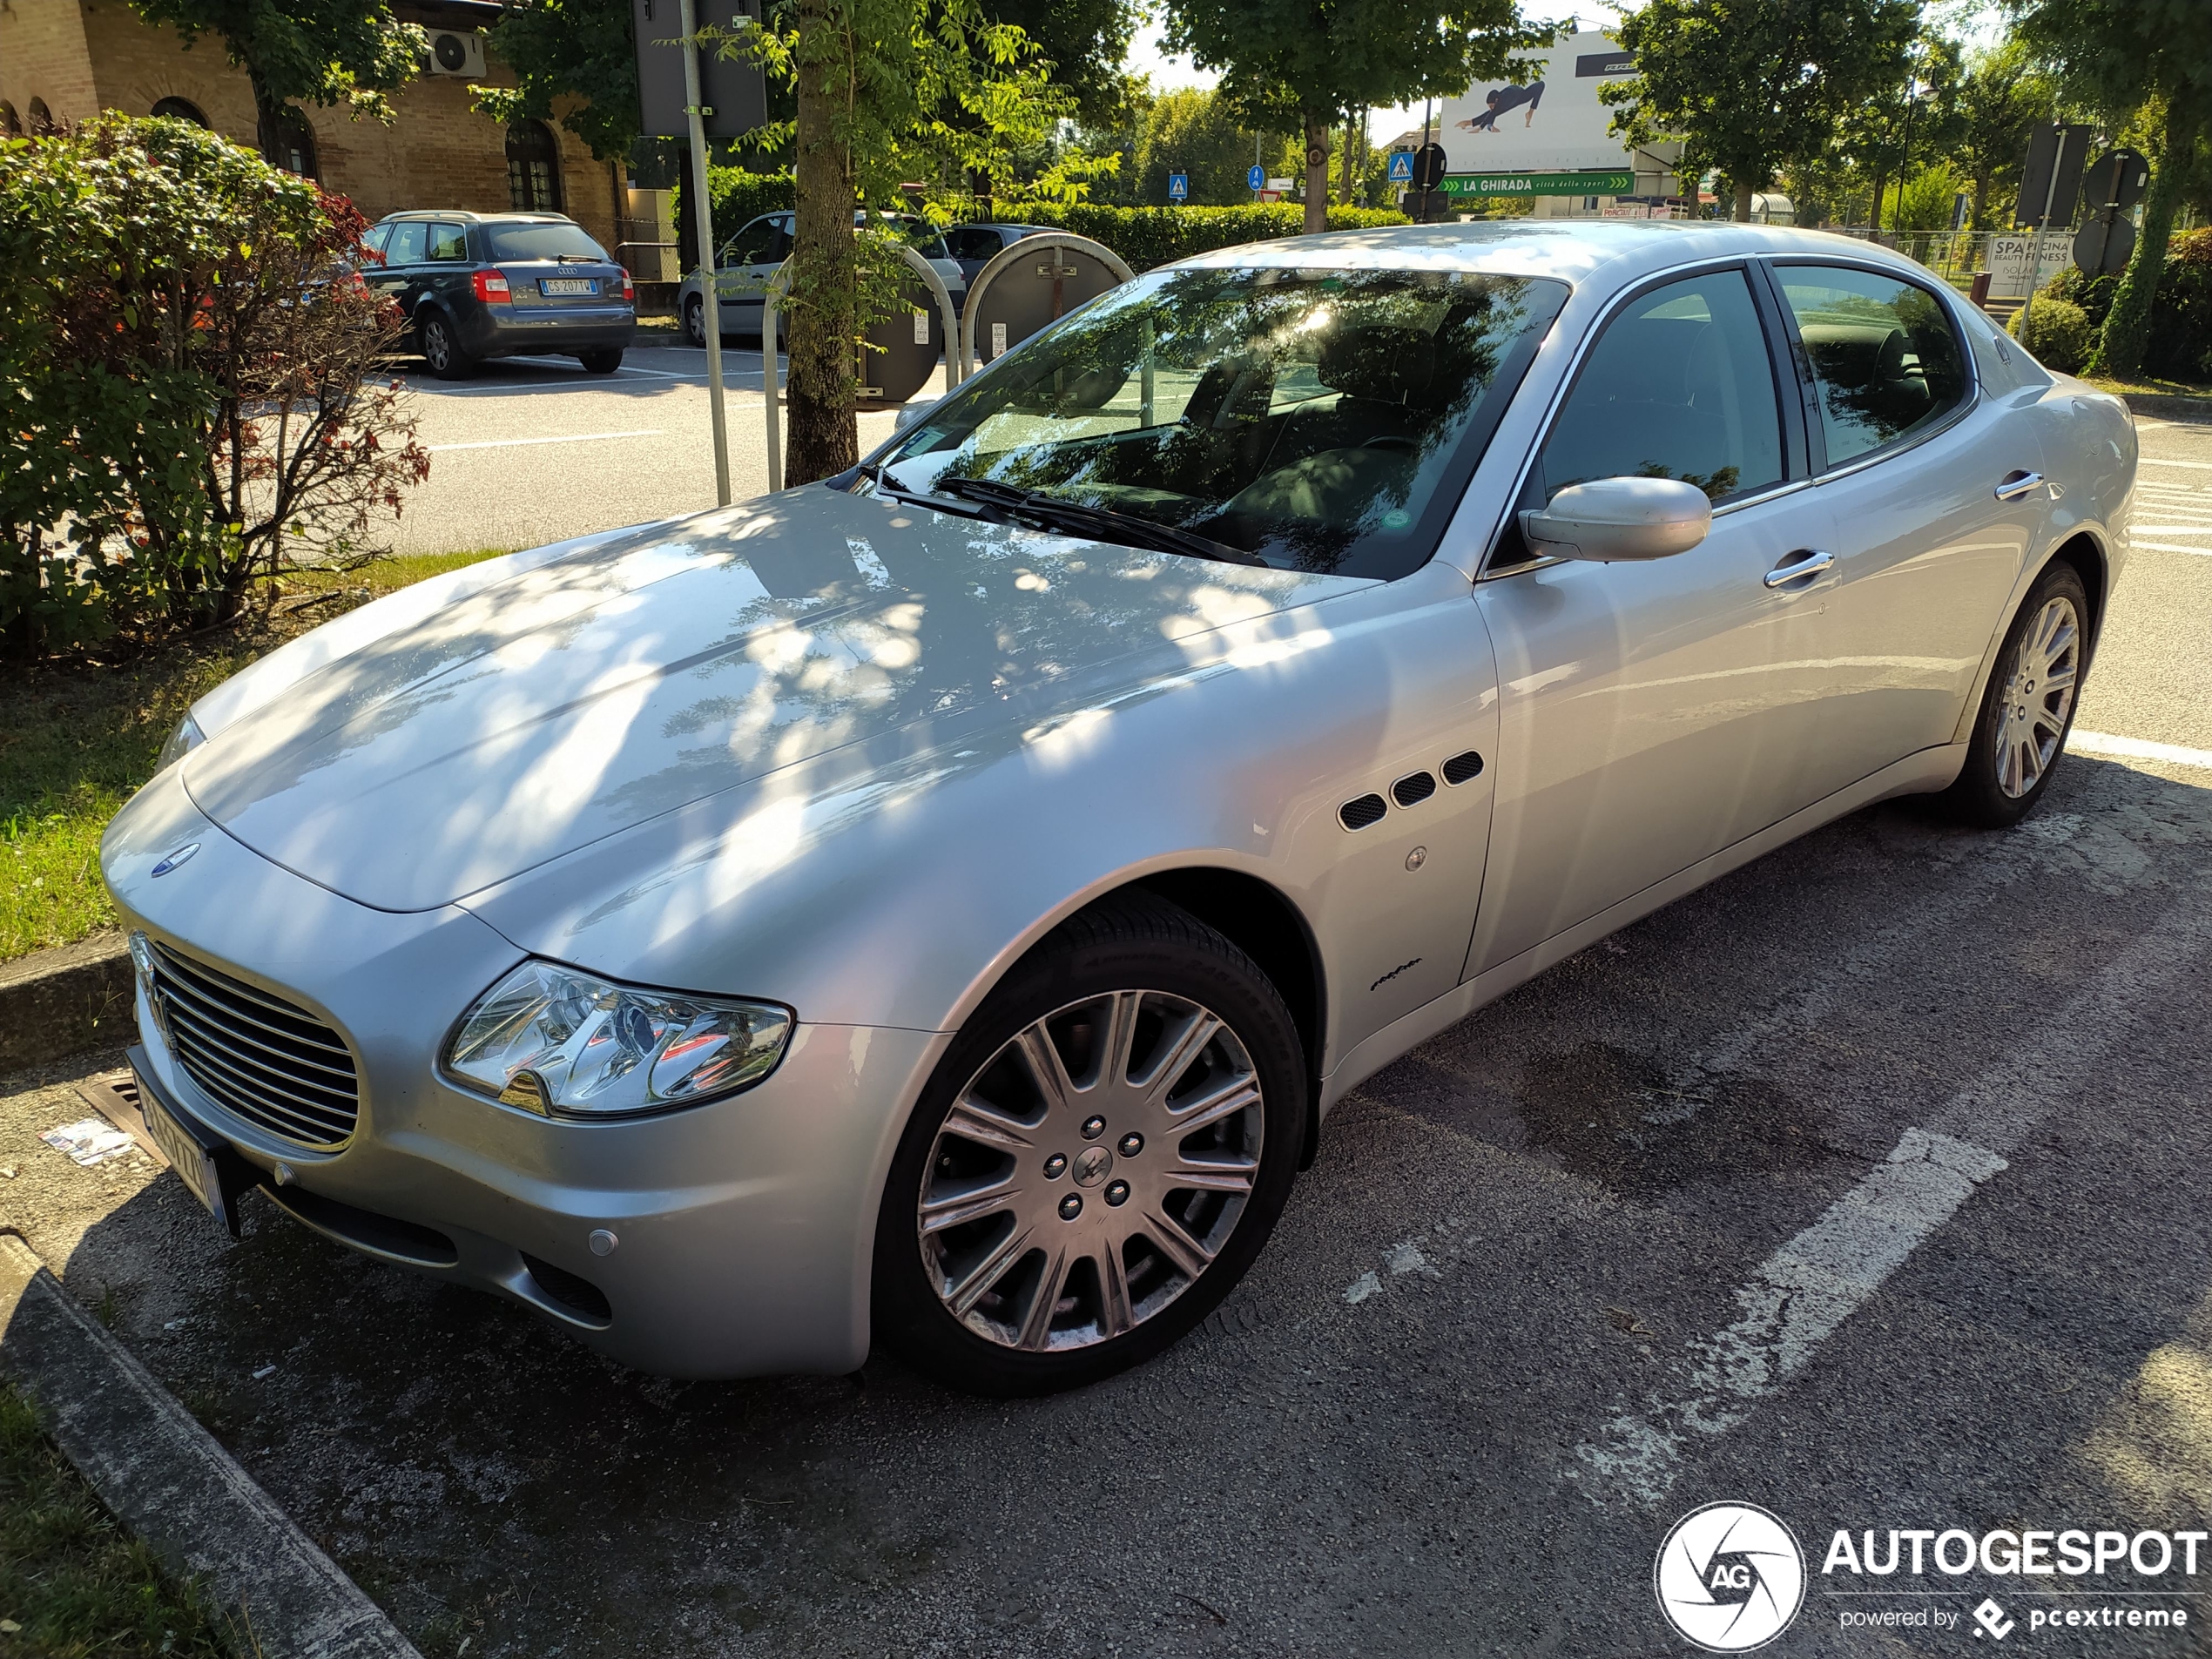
x=568 y=285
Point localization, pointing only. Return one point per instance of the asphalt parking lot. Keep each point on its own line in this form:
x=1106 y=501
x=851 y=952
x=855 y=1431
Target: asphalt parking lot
x=533 y=450
x=1867 y=1185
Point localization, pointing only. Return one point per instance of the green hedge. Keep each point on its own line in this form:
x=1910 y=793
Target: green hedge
x=1143 y=236
x=1150 y=236
x=2181 y=313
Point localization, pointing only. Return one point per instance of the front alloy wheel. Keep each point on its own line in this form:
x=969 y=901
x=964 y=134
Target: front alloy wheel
x=1099 y=1157
x=695 y=320
x=2039 y=697
x=1091 y=1171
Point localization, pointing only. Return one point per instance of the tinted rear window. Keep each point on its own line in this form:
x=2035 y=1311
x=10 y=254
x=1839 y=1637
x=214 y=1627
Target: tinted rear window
x=541 y=242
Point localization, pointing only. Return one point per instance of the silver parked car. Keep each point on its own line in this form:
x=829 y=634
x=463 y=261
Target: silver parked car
x=944 y=904
x=749 y=261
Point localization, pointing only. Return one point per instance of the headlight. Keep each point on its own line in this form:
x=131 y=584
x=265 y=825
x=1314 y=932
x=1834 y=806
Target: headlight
x=552 y=1040
x=186 y=738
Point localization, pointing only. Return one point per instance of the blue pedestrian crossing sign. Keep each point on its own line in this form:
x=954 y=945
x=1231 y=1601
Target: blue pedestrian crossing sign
x=1401 y=166
x=1179 y=186
x=1257 y=179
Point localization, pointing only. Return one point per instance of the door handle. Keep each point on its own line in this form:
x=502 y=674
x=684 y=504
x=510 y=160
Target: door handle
x=2018 y=485
x=1804 y=563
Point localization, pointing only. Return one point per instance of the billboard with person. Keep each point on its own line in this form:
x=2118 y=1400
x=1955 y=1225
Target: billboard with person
x=1549 y=121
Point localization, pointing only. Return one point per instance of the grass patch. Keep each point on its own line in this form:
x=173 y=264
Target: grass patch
x=71 y=1580
x=77 y=739
x=2142 y=385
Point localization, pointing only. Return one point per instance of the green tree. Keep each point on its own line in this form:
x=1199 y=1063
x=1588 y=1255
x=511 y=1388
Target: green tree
x=1087 y=44
x=574 y=63
x=321 y=51
x=2005 y=92
x=1302 y=65
x=2121 y=55
x=1193 y=130
x=1750 y=86
x=1916 y=119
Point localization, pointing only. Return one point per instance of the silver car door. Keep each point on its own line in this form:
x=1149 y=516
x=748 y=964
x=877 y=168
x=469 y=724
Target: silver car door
x=1639 y=702
x=1930 y=494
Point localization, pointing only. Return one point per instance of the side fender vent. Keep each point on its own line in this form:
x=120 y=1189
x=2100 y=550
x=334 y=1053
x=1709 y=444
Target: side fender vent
x=1413 y=789
x=1463 y=768
x=1358 y=815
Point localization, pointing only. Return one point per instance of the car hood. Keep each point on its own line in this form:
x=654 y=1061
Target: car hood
x=566 y=699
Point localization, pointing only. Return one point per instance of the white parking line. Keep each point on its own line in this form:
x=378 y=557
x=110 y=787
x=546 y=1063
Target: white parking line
x=1812 y=1284
x=2103 y=743
x=2174 y=547
x=2158 y=461
x=571 y=437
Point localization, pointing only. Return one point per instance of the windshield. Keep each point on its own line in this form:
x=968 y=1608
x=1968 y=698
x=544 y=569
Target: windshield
x=541 y=242
x=1316 y=421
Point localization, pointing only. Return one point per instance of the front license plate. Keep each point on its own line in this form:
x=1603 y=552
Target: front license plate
x=196 y=1163
x=568 y=285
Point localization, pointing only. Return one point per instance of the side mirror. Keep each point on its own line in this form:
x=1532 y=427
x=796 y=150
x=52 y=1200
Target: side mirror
x=1620 y=518
x=910 y=413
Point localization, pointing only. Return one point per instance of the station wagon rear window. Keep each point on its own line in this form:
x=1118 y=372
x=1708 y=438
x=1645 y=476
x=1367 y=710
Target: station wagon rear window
x=1323 y=421
x=541 y=242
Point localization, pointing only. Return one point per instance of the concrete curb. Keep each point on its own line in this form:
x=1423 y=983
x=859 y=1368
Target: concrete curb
x=164 y=1477
x=55 y=1002
x=2160 y=406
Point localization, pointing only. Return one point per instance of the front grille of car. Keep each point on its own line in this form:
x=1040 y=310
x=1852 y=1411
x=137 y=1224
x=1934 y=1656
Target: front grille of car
x=274 y=1063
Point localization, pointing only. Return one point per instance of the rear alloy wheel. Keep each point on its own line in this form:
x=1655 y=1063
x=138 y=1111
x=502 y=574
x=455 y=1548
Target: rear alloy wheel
x=2028 y=706
x=1098 y=1160
x=603 y=362
x=442 y=349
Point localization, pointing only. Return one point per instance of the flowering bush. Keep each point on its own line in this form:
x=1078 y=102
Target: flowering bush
x=190 y=390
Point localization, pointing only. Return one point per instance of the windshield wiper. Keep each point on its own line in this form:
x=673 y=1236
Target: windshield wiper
x=1101 y=522
x=878 y=473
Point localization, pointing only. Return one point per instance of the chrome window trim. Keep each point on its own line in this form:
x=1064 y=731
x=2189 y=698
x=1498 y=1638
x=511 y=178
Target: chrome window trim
x=1598 y=325
x=1966 y=406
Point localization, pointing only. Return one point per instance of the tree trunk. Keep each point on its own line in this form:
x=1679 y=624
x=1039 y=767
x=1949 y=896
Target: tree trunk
x=823 y=434
x=1743 y=201
x=1316 y=172
x=1981 y=201
x=1351 y=165
x=2127 y=330
x=268 y=122
x=1880 y=184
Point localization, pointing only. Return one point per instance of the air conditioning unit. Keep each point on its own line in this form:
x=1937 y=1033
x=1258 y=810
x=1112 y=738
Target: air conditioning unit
x=453 y=52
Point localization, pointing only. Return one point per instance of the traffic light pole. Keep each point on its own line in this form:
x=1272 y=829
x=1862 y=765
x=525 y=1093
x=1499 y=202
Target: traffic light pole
x=710 y=272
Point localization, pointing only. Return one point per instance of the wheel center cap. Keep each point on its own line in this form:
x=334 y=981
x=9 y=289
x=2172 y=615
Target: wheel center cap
x=1092 y=1165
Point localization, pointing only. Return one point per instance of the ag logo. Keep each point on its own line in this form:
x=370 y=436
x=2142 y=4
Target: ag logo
x=1729 y=1577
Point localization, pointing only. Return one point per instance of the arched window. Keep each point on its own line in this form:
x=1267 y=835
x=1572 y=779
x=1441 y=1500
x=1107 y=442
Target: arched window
x=11 y=123
x=294 y=146
x=533 y=168
x=42 y=118
x=181 y=109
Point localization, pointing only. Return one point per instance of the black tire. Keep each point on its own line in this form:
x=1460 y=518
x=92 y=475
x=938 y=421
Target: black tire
x=695 y=320
x=603 y=362
x=2018 y=706
x=1134 y=943
x=441 y=347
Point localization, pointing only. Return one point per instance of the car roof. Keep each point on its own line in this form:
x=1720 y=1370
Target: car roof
x=1571 y=250
x=466 y=216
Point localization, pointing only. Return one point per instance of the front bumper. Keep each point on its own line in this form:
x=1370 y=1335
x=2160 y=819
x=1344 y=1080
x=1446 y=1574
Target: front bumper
x=508 y=330
x=744 y=1229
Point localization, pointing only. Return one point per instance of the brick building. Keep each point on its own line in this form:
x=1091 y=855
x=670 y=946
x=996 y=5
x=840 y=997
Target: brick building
x=63 y=61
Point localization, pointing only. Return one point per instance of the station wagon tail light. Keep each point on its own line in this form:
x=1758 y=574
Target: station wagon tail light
x=562 y=1043
x=629 y=288
x=491 y=287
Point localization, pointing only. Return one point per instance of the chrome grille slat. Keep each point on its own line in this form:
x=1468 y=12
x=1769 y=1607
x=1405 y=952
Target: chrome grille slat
x=215 y=976
x=214 y=1015
x=252 y=1104
x=258 y=1074
x=226 y=992
x=270 y=1061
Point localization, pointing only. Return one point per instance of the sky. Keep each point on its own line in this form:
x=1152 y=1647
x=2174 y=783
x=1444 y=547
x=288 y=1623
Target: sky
x=1978 y=22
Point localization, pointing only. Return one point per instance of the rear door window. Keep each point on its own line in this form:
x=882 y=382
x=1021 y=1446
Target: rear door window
x=1885 y=360
x=1681 y=385
x=448 y=242
x=407 y=242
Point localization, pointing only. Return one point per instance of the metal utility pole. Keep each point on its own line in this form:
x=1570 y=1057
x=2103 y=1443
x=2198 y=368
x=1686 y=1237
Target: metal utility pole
x=2042 y=227
x=710 y=272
